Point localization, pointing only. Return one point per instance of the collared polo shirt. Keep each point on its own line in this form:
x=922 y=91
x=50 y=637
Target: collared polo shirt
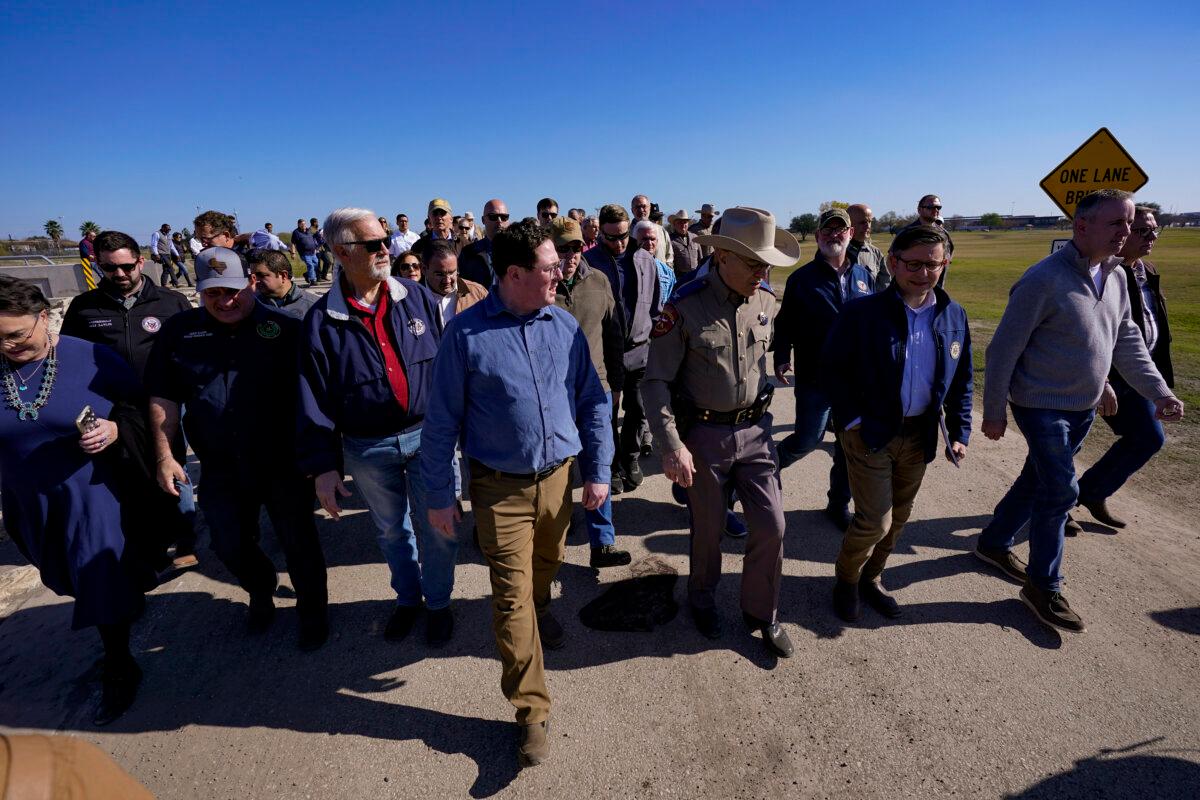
x=375 y=319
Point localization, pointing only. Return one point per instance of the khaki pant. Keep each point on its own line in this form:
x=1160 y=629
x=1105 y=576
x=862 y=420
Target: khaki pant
x=884 y=485
x=61 y=768
x=522 y=531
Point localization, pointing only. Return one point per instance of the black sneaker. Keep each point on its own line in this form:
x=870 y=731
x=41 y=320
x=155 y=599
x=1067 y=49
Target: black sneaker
x=550 y=631
x=1052 y=609
x=839 y=515
x=314 y=632
x=609 y=556
x=439 y=626
x=1100 y=513
x=1005 y=561
x=874 y=595
x=633 y=475
x=708 y=622
x=617 y=485
x=845 y=601
x=262 y=613
x=120 y=689
x=400 y=623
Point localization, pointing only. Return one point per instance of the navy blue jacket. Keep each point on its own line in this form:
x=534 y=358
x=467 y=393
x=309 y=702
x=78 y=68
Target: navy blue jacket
x=344 y=389
x=625 y=291
x=862 y=368
x=812 y=300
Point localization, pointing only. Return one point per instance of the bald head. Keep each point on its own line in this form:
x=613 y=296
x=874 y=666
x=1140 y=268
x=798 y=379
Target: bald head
x=861 y=218
x=492 y=224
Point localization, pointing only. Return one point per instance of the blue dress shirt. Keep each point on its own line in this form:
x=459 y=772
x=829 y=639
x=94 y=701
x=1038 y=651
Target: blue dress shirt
x=920 y=360
x=522 y=394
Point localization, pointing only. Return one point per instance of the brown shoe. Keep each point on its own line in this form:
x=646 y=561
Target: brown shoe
x=1100 y=513
x=1003 y=560
x=535 y=744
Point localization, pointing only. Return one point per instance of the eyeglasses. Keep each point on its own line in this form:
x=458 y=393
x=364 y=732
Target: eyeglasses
x=129 y=268
x=831 y=231
x=549 y=215
x=18 y=339
x=573 y=247
x=917 y=266
x=370 y=245
x=496 y=217
x=1148 y=231
x=935 y=208
x=438 y=212
x=465 y=228
x=615 y=237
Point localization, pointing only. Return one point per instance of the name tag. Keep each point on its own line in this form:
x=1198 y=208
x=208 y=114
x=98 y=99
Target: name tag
x=197 y=334
x=100 y=323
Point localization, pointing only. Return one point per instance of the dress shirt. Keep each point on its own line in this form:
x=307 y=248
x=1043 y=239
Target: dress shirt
x=1148 y=305
x=402 y=242
x=448 y=305
x=522 y=394
x=920 y=359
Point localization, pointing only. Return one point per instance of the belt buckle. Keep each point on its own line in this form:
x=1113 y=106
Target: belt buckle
x=742 y=415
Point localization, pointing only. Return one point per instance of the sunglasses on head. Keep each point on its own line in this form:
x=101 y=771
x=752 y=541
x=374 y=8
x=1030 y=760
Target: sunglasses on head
x=371 y=245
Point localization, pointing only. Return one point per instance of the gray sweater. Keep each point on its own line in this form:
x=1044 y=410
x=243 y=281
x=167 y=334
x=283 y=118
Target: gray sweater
x=1057 y=339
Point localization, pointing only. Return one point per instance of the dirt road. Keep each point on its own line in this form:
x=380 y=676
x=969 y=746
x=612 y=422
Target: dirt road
x=967 y=694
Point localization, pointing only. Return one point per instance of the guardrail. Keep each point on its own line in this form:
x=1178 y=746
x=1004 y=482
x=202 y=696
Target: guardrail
x=36 y=259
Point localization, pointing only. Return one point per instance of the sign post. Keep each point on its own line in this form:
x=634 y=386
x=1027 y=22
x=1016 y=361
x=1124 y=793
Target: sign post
x=1099 y=163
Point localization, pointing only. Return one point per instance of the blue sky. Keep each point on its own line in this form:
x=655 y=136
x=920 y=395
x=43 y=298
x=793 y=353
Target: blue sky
x=132 y=114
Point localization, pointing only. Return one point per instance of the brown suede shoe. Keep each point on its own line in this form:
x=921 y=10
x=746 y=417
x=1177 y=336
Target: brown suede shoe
x=535 y=744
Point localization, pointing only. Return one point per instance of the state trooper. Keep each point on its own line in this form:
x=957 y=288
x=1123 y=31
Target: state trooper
x=228 y=363
x=706 y=395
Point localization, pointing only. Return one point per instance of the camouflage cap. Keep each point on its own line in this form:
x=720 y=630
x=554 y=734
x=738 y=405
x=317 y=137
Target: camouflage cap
x=832 y=214
x=565 y=230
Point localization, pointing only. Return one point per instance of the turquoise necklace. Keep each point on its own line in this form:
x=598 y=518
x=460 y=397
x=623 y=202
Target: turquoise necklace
x=12 y=393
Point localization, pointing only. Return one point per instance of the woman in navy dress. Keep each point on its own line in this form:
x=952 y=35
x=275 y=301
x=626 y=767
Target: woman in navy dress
x=58 y=487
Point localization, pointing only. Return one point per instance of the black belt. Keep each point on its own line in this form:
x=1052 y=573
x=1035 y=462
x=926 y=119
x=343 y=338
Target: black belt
x=738 y=416
x=521 y=476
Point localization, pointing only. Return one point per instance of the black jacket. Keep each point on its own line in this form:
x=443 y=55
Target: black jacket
x=98 y=316
x=1161 y=355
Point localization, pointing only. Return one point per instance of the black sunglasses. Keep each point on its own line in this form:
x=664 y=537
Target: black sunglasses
x=114 y=267
x=497 y=217
x=616 y=237
x=572 y=247
x=371 y=245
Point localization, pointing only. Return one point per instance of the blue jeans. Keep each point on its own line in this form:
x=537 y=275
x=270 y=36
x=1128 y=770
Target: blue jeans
x=1044 y=493
x=812 y=417
x=600 y=521
x=310 y=267
x=388 y=473
x=1139 y=437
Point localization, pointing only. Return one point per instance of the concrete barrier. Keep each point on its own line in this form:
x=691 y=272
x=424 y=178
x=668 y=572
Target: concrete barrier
x=65 y=280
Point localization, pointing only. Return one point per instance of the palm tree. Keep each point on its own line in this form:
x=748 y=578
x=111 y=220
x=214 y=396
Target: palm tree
x=88 y=227
x=54 y=230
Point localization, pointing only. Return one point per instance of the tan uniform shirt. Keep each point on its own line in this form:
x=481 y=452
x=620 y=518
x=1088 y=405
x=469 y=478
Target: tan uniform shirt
x=711 y=343
x=699 y=229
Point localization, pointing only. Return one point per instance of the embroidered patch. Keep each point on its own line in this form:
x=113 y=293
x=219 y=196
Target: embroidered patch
x=269 y=329
x=665 y=322
x=216 y=266
x=862 y=285
x=151 y=324
x=763 y=319
x=955 y=350
x=416 y=326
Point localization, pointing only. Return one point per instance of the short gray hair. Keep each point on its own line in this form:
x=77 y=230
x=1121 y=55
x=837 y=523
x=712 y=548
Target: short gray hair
x=641 y=226
x=1091 y=203
x=591 y=219
x=340 y=220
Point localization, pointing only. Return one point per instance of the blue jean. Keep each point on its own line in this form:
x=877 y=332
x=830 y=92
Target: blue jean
x=388 y=473
x=310 y=267
x=599 y=521
x=1044 y=492
x=1139 y=437
x=812 y=417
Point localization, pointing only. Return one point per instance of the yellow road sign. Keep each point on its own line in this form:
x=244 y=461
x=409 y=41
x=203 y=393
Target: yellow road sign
x=1098 y=163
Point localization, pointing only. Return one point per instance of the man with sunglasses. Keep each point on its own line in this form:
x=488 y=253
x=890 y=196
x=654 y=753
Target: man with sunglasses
x=441 y=228
x=889 y=404
x=228 y=370
x=126 y=311
x=586 y=295
x=633 y=275
x=1131 y=416
x=929 y=212
x=707 y=391
x=812 y=299
x=366 y=379
x=547 y=210
x=475 y=261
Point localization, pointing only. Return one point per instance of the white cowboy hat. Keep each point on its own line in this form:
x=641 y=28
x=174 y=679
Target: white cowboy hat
x=680 y=214
x=751 y=232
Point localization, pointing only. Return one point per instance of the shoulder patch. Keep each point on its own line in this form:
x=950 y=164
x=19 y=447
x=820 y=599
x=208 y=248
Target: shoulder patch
x=665 y=322
x=766 y=287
